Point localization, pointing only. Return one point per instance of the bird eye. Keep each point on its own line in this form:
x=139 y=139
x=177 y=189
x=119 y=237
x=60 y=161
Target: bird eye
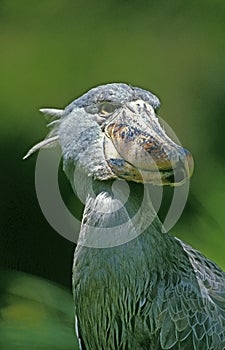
x=106 y=108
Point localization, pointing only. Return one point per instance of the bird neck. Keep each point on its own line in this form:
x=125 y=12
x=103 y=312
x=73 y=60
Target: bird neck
x=116 y=212
x=121 y=220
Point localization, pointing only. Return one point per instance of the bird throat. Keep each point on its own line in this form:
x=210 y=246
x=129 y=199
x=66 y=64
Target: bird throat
x=115 y=213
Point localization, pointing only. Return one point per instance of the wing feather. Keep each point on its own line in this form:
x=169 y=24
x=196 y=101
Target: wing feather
x=190 y=314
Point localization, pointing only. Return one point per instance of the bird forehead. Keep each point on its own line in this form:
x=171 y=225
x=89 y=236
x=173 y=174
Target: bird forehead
x=115 y=92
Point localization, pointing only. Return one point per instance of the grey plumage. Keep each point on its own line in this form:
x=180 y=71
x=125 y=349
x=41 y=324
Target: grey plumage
x=115 y=92
x=153 y=292
x=135 y=286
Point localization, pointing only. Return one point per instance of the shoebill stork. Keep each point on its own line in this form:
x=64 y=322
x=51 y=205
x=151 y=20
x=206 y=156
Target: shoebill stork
x=135 y=286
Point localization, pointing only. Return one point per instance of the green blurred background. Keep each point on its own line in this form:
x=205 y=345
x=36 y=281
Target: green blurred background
x=53 y=51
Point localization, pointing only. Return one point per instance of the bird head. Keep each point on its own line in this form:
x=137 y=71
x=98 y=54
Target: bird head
x=113 y=131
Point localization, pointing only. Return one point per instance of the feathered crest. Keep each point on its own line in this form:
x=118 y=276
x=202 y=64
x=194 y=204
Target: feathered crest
x=53 y=116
